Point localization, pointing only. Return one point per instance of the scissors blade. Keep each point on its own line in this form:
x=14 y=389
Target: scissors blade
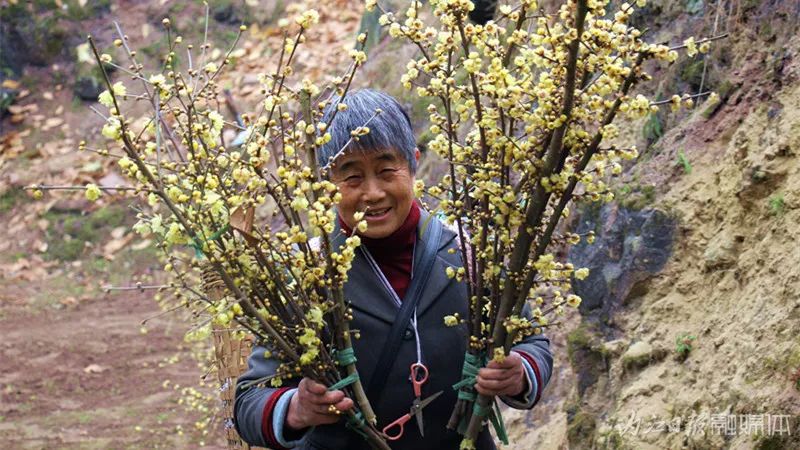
x=416 y=409
x=419 y=404
x=418 y=415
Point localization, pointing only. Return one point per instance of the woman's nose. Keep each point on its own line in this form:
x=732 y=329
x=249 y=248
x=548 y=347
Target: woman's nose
x=373 y=191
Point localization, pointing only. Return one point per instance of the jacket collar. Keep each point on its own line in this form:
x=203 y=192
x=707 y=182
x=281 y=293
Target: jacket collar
x=365 y=291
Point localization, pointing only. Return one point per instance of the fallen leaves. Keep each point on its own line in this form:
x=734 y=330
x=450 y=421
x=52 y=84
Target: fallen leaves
x=94 y=368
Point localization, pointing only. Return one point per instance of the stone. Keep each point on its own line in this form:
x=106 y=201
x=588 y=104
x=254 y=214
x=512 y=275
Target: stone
x=721 y=252
x=638 y=355
x=87 y=88
x=615 y=347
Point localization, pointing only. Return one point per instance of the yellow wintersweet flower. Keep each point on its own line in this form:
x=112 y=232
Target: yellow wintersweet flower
x=308 y=18
x=691 y=46
x=499 y=355
x=358 y=56
x=92 y=192
x=175 y=235
x=112 y=129
x=582 y=273
x=210 y=68
x=314 y=315
x=105 y=98
x=157 y=80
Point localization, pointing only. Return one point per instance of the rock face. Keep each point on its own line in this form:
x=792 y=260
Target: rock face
x=629 y=248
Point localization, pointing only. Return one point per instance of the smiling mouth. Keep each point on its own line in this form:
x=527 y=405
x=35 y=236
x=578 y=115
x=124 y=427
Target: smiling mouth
x=376 y=212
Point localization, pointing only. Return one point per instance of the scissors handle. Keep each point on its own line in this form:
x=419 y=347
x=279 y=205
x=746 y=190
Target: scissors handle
x=416 y=370
x=399 y=423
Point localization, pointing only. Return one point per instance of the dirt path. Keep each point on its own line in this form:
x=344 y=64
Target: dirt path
x=86 y=377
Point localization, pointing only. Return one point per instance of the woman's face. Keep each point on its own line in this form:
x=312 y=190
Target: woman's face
x=378 y=183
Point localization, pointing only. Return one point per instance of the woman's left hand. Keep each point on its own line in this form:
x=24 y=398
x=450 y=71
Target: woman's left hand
x=502 y=378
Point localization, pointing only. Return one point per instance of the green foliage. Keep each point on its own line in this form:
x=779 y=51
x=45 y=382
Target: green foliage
x=684 y=161
x=581 y=427
x=578 y=339
x=773 y=442
x=68 y=233
x=611 y=440
x=91 y=8
x=635 y=196
x=796 y=379
x=777 y=205
x=683 y=345
x=694 y=6
x=692 y=72
x=783 y=363
x=10 y=198
x=653 y=128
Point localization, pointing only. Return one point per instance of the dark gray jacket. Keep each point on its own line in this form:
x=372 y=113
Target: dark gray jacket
x=442 y=349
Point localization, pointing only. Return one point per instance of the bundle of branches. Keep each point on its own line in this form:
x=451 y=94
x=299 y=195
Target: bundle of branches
x=269 y=279
x=521 y=108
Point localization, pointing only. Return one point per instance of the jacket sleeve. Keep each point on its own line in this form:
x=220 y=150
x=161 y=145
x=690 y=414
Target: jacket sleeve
x=538 y=362
x=256 y=403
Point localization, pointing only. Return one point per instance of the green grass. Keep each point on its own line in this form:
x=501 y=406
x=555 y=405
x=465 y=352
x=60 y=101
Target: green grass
x=683 y=345
x=10 y=198
x=581 y=430
x=635 y=196
x=69 y=233
x=653 y=128
x=684 y=161
x=777 y=205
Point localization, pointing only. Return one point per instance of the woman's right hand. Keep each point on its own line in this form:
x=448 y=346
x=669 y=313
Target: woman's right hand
x=311 y=405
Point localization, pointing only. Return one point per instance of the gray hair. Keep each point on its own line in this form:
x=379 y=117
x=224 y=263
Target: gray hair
x=391 y=128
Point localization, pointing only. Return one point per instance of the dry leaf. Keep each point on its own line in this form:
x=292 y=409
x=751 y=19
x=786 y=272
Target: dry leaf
x=16 y=109
x=118 y=232
x=115 y=245
x=52 y=123
x=141 y=245
x=242 y=221
x=10 y=84
x=94 y=368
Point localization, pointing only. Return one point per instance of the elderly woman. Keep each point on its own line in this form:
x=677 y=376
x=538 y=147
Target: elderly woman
x=376 y=176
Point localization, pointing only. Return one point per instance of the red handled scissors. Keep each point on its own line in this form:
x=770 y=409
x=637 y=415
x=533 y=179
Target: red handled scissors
x=416 y=410
x=419 y=375
x=417 y=370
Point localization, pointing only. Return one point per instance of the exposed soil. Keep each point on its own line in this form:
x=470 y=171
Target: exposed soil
x=84 y=376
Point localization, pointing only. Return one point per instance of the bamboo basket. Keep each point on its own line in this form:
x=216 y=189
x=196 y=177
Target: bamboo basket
x=231 y=360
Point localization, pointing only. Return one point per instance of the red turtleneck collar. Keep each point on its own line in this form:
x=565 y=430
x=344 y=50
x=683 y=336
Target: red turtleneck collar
x=394 y=253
